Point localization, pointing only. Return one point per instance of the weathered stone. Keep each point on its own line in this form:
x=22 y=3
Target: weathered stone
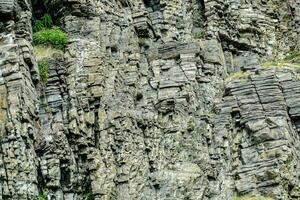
x=7 y=7
x=136 y=106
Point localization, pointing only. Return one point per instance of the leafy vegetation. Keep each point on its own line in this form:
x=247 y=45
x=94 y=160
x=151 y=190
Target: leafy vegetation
x=199 y=35
x=54 y=36
x=42 y=196
x=89 y=196
x=44 y=70
x=47 y=34
x=48 y=40
x=44 y=23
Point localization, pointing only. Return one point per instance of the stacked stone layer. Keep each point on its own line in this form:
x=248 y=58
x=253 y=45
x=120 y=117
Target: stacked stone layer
x=137 y=107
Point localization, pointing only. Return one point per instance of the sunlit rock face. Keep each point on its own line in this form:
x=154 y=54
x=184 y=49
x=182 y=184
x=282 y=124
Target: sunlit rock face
x=142 y=103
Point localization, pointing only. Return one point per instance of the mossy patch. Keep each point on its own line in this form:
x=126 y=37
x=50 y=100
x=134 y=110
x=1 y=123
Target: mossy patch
x=249 y=197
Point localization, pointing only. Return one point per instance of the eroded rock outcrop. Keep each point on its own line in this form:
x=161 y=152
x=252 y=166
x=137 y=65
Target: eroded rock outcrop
x=257 y=131
x=137 y=107
x=18 y=102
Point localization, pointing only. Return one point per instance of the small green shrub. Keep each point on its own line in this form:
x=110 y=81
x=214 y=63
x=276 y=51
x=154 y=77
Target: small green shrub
x=44 y=23
x=199 y=35
x=42 y=196
x=44 y=70
x=54 y=36
x=38 y=25
x=88 y=196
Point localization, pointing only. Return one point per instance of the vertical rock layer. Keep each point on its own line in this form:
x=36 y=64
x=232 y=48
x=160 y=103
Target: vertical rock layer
x=19 y=125
x=137 y=107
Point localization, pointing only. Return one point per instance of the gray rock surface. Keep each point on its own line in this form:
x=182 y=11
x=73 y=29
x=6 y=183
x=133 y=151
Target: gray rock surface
x=259 y=133
x=138 y=106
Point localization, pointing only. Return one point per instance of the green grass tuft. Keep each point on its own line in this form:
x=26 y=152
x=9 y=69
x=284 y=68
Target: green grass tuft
x=54 y=36
x=199 y=35
x=42 y=196
x=44 y=23
x=44 y=70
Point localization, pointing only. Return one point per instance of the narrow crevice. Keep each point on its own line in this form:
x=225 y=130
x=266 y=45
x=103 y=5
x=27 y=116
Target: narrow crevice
x=53 y=8
x=152 y=5
x=199 y=18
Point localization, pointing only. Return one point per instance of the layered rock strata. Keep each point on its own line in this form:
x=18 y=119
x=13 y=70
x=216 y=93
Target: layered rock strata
x=137 y=106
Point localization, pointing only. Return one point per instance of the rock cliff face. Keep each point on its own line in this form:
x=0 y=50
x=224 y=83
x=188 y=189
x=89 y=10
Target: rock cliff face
x=141 y=106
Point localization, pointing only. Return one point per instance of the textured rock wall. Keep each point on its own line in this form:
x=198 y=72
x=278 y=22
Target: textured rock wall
x=258 y=122
x=137 y=106
x=268 y=27
x=19 y=123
